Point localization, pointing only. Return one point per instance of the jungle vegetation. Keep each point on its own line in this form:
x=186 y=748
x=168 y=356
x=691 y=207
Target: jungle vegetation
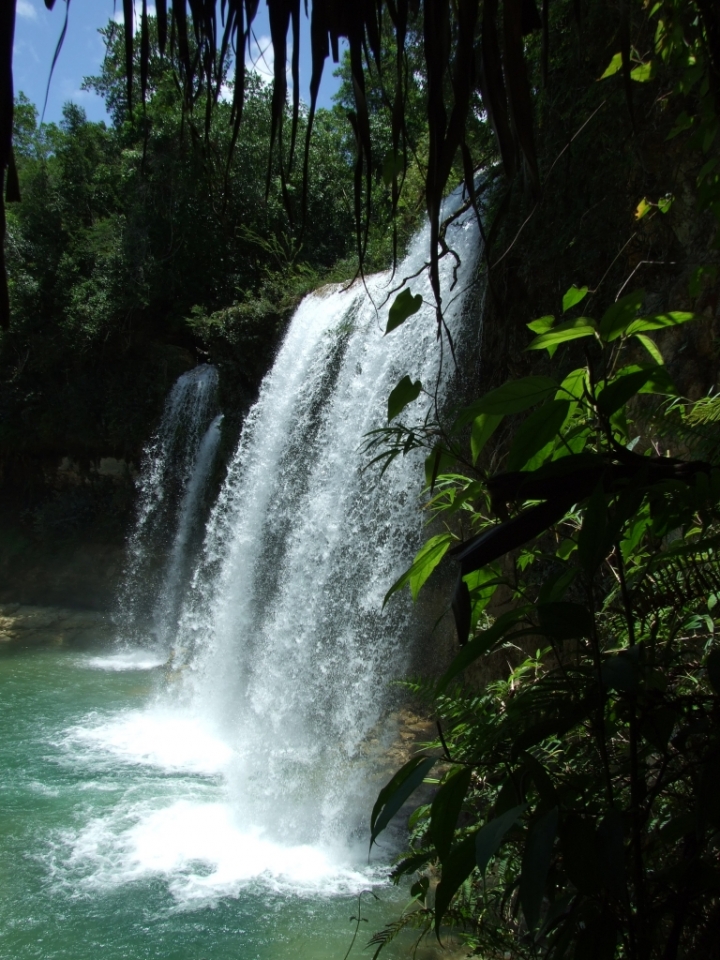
x=577 y=767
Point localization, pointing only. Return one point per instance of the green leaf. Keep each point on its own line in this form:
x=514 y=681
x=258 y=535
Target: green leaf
x=617 y=393
x=489 y=837
x=643 y=208
x=540 y=428
x=479 y=646
x=565 y=621
x=404 y=306
x=446 y=809
x=426 y=559
x=573 y=296
x=651 y=347
x=661 y=321
x=403 y=394
x=394 y=794
x=516 y=395
x=613 y=67
x=535 y=865
x=568 y=330
x=643 y=72
x=592 y=539
x=620 y=315
x=664 y=203
x=541 y=325
x=573 y=385
x=482 y=429
x=456 y=868
x=436 y=462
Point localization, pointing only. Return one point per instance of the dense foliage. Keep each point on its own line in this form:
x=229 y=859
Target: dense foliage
x=136 y=249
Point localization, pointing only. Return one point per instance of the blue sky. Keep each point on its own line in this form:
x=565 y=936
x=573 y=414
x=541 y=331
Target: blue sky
x=36 y=35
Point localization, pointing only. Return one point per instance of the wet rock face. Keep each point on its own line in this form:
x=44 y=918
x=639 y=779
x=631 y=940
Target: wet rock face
x=51 y=625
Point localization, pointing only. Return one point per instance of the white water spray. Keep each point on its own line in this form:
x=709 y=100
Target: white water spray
x=174 y=472
x=290 y=649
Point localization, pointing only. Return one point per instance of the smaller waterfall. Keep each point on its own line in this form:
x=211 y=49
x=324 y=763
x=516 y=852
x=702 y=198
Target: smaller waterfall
x=175 y=469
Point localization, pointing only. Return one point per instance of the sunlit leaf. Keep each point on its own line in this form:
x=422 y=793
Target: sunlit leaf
x=564 y=332
x=651 y=347
x=613 y=67
x=661 y=321
x=644 y=72
x=643 y=208
x=573 y=296
x=426 y=559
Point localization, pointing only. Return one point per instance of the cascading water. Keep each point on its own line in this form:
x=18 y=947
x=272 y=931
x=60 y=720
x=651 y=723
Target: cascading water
x=203 y=789
x=291 y=652
x=174 y=472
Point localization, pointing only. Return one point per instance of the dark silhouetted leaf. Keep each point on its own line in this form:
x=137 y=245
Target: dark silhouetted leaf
x=446 y=808
x=480 y=645
x=404 y=306
x=535 y=865
x=403 y=394
x=540 y=428
x=456 y=868
x=617 y=318
x=489 y=837
x=516 y=395
x=394 y=794
x=712 y=664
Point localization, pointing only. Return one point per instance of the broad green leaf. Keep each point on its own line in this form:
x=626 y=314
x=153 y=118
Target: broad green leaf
x=573 y=296
x=573 y=385
x=394 y=794
x=651 y=347
x=535 y=865
x=404 y=306
x=617 y=393
x=540 y=428
x=664 y=203
x=482 y=429
x=613 y=67
x=426 y=559
x=489 y=837
x=643 y=72
x=479 y=645
x=403 y=394
x=660 y=321
x=541 y=325
x=456 y=868
x=563 y=332
x=446 y=809
x=516 y=395
x=620 y=315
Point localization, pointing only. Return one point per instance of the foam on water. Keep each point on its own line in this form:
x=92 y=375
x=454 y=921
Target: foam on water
x=138 y=658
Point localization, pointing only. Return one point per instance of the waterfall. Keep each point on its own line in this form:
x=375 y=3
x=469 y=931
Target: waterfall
x=286 y=649
x=175 y=468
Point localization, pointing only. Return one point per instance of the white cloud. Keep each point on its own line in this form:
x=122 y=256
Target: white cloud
x=261 y=58
x=26 y=9
x=118 y=16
